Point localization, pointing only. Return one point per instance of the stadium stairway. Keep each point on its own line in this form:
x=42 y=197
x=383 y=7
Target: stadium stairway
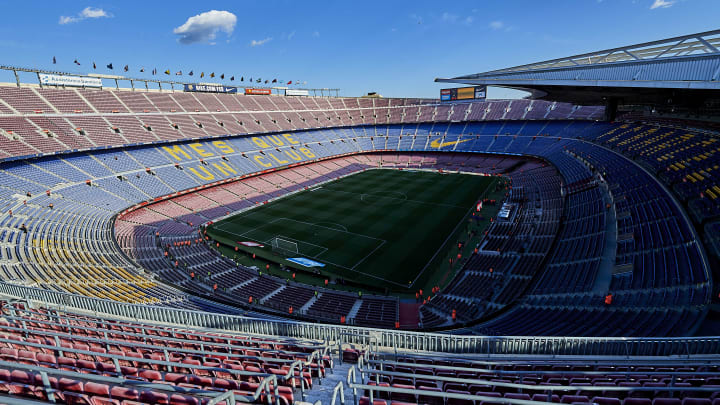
x=310 y=303
x=354 y=310
x=325 y=391
x=607 y=262
x=269 y=296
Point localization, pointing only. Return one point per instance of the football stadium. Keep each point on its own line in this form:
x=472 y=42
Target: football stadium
x=214 y=238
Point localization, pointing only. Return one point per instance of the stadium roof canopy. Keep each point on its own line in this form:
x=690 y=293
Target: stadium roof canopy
x=683 y=70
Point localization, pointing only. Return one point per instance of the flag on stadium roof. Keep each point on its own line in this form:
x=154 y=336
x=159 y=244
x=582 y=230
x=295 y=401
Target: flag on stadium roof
x=154 y=71
x=126 y=68
x=178 y=73
x=202 y=74
x=142 y=69
x=222 y=76
x=258 y=80
x=167 y=71
x=232 y=78
x=212 y=74
x=289 y=82
x=54 y=60
x=76 y=62
x=191 y=73
x=94 y=66
x=242 y=78
x=109 y=66
x=274 y=81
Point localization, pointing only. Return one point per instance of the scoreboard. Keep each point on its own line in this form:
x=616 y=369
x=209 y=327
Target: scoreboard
x=463 y=93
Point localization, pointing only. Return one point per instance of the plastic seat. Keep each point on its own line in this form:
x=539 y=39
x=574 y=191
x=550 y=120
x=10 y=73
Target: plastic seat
x=85 y=366
x=47 y=360
x=104 y=401
x=666 y=401
x=225 y=384
x=546 y=398
x=606 y=401
x=381 y=394
x=366 y=401
x=175 y=378
x=154 y=397
x=178 y=399
x=74 y=398
x=574 y=399
x=123 y=393
x=22 y=383
x=430 y=400
x=456 y=401
x=150 y=375
x=4 y=380
x=402 y=397
x=97 y=389
x=67 y=363
x=637 y=401
x=515 y=395
x=696 y=401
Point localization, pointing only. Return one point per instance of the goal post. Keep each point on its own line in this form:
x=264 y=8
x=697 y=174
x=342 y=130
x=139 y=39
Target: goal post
x=284 y=245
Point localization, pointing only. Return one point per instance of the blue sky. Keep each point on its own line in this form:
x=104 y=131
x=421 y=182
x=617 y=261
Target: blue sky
x=393 y=47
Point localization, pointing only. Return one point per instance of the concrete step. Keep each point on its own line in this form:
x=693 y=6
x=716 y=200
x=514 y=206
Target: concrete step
x=323 y=391
x=354 y=310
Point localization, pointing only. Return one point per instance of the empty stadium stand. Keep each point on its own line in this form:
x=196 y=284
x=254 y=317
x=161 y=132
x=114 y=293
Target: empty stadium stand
x=583 y=227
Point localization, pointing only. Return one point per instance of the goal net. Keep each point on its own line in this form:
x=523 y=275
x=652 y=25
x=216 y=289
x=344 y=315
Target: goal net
x=284 y=245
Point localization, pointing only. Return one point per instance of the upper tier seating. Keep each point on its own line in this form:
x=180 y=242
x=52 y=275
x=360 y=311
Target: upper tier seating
x=45 y=120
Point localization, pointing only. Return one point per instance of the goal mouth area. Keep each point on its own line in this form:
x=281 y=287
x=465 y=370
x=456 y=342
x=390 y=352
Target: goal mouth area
x=310 y=240
x=283 y=244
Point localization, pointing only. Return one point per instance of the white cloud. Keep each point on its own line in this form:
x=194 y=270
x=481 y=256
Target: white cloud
x=496 y=25
x=260 y=42
x=451 y=18
x=291 y=35
x=662 y=4
x=316 y=34
x=203 y=28
x=448 y=17
x=67 y=20
x=87 y=12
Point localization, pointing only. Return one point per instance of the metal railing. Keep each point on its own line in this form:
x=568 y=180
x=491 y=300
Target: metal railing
x=374 y=388
x=384 y=339
x=267 y=388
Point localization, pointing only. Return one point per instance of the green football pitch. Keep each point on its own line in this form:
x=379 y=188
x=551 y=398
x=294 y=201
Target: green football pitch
x=374 y=227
